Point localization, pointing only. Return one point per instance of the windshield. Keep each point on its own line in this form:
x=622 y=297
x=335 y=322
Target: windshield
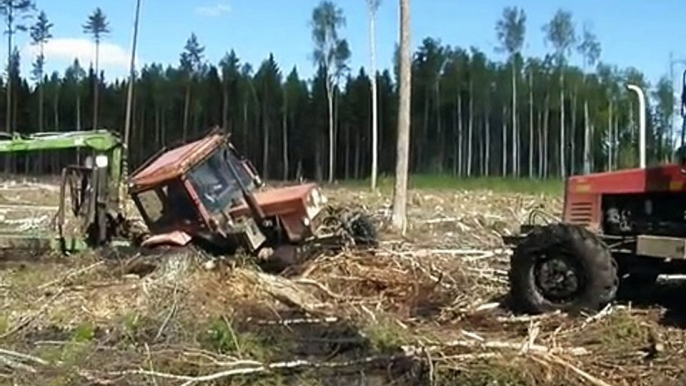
x=215 y=184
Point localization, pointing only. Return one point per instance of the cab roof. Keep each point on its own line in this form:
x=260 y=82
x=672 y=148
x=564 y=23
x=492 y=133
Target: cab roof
x=174 y=163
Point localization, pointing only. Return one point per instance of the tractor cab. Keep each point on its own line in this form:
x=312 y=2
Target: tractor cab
x=205 y=191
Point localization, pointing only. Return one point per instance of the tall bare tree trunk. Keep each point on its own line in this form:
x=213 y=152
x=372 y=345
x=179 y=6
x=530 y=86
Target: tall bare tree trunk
x=186 y=111
x=515 y=137
x=402 y=165
x=319 y=172
x=56 y=110
x=587 y=140
x=96 y=91
x=546 y=137
x=329 y=97
x=356 y=169
x=460 y=144
x=482 y=152
x=78 y=123
x=285 y=144
x=532 y=129
x=158 y=128
x=504 y=141
x=425 y=134
x=163 y=127
x=540 y=144
x=41 y=95
x=470 y=129
x=348 y=144
x=8 y=97
x=487 y=130
x=225 y=109
x=616 y=144
x=244 y=134
x=265 y=143
x=78 y=111
x=610 y=143
x=375 y=108
x=572 y=134
x=439 y=130
x=455 y=148
x=563 y=168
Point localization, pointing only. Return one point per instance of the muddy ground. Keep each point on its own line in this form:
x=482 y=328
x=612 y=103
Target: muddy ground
x=427 y=308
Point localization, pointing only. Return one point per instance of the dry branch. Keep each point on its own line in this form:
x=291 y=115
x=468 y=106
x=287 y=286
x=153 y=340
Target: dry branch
x=23 y=356
x=70 y=275
x=33 y=316
x=586 y=376
x=14 y=365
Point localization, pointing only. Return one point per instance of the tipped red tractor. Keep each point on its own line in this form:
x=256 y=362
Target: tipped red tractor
x=206 y=193
x=618 y=229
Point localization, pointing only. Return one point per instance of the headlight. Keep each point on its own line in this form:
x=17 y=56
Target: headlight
x=101 y=161
x=317 y=197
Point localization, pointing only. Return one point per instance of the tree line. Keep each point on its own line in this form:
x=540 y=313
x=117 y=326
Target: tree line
x=471 y=115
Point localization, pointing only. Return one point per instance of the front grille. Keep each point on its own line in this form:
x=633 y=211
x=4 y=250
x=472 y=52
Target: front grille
x=581 y=213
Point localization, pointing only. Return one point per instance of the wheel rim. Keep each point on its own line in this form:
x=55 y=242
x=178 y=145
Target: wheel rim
x=559 y=278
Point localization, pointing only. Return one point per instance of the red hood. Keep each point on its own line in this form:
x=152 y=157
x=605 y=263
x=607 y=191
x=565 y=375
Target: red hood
x=278 y=200
x=663 y=178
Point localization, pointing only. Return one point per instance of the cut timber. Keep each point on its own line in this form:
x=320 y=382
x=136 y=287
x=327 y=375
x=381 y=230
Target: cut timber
x=283 y=290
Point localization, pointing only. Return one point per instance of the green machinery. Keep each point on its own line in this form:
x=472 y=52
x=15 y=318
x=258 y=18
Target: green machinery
x=94 y=192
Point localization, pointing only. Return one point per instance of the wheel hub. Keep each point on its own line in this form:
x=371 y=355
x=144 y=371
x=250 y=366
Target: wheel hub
x=558 y=278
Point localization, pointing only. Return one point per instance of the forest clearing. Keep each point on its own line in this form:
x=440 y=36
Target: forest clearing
x=429 y=308
x=490 y=129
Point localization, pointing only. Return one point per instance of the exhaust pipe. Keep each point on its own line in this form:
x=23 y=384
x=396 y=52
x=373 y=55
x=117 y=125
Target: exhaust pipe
x=642 y=124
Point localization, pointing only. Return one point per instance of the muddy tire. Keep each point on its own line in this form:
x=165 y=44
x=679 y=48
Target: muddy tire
x=363 y=230
x=562 y=267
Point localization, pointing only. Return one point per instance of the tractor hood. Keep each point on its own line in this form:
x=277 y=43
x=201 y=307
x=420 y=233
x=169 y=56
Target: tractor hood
x=283 y=200
x=663 y=178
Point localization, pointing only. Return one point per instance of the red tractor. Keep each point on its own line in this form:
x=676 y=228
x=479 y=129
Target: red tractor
x=621 y=228
x=206 y=193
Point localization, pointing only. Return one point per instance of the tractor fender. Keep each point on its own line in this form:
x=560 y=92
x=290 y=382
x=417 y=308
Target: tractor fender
x=176 y=238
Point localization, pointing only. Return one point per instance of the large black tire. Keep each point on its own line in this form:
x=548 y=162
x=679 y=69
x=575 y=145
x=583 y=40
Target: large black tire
x=562 y=267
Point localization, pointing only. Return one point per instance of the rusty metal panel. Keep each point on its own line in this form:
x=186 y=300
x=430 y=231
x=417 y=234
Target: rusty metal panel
x=660 y=246
x=277 y=201
x=583 y=209
x=663 y=178
x=294 y=225
x=175 y=162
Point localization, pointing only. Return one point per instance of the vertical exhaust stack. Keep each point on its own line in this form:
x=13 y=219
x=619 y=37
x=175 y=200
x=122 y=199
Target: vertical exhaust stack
x=642 y=124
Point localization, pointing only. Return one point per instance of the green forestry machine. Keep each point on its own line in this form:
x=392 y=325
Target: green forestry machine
x=90 y=192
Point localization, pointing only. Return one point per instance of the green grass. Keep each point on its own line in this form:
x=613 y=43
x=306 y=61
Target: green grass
x=448 y=182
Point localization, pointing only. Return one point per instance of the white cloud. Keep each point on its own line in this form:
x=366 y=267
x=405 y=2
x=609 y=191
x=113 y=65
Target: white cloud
x=213 y=10
x=112 y=56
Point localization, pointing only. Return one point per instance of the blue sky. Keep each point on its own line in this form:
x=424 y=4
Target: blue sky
x=639 y=33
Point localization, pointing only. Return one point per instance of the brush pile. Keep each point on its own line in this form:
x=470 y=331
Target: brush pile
x=426 y=308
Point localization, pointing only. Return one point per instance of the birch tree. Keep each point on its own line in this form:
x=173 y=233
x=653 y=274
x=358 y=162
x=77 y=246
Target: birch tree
x=373 y=6
x=399 y=219
x=561 y=35
x=331 y=53
x=511 y=30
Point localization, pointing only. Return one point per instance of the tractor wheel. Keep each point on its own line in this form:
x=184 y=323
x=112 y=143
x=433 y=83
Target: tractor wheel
x=562 y=267
x=362 y=229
